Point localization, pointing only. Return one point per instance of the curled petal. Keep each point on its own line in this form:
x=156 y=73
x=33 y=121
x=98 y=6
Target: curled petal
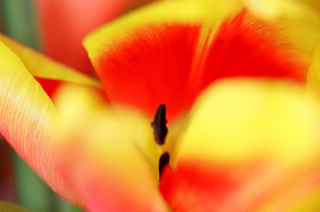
x=29 y=121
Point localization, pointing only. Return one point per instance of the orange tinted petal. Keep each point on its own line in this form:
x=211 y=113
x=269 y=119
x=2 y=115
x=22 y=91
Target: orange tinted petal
x=63 y=25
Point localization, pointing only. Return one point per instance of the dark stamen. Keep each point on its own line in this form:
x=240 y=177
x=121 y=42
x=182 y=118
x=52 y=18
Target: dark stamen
x=163 y=162
x=160 y=129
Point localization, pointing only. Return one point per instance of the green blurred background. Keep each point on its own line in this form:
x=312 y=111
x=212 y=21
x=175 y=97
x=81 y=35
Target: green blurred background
x=27 y=190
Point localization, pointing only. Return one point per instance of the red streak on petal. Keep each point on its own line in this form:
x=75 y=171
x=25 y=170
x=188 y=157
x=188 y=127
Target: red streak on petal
x=153 y=66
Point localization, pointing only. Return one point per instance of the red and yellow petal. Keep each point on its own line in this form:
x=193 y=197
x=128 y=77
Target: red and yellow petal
x=170 y=57
x=245 y=46
x=29 y=120
x=48 y=72
x=299 y=21
x=250 y=144
x=150 y=53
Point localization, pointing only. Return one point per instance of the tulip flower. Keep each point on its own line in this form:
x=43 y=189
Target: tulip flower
x=212 y=106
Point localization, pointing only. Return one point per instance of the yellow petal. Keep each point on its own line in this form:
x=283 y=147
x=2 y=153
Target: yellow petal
x=28 y=119
x=244 y=120
x=43 y=67
x=115 y=163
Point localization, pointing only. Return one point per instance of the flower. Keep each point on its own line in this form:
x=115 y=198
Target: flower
x=242 y=111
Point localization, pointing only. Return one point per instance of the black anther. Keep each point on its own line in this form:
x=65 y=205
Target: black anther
x=160 y=129
x=163 y=162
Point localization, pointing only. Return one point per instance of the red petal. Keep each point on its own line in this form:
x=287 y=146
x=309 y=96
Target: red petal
x=245 y=46
x=151 y=68
x=153 y=65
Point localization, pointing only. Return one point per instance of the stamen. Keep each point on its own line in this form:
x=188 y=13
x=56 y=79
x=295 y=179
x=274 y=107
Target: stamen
x=160 y=129
x=163 y=162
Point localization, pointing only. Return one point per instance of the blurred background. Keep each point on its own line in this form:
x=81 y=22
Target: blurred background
x=55 y=27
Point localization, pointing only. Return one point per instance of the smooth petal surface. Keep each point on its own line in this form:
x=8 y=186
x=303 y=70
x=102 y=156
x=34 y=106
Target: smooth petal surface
x=115 y=164
x=150 y=53
x=250 y=144
x=29 y=121
x=188 y=49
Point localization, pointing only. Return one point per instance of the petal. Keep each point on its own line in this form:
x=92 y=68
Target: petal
x=29 y=121
x=170 y=58
x=150 y=53
x=114 y=167
x=63 y=24
x=248 y=142
x=299 y=21
x=42 y=67
x=272 y=9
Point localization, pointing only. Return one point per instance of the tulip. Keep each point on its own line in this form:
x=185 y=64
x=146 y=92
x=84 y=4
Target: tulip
x=212 y=106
